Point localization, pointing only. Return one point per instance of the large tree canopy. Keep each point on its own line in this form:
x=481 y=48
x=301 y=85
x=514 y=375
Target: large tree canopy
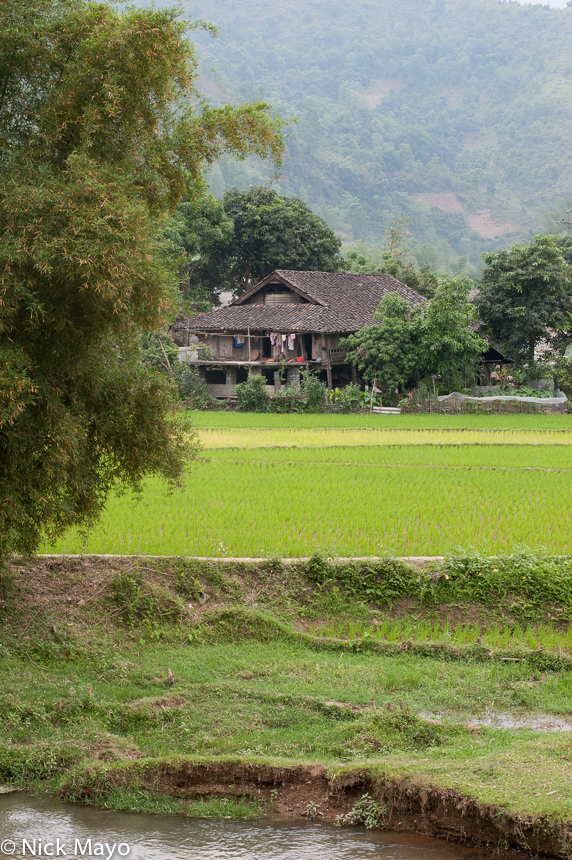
x=385 y=353
x=273 y=232
x=198 y=237
x=230 y=245
x=525 y=296
x=407 y=344
x=447 y=342
x=101 y=131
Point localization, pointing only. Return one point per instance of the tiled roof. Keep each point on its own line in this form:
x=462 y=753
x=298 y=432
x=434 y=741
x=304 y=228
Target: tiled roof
x=342 y=303
x=329 y=288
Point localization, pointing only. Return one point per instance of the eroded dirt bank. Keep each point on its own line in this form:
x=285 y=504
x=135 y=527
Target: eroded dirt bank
x=315 y=792
x=179 y=678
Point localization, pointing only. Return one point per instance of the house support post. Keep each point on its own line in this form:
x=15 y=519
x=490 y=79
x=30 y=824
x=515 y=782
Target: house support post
x=329 y=375
x=230 y=379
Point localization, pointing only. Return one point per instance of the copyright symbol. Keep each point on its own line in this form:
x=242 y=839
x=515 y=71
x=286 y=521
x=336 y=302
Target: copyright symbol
x=7 y=847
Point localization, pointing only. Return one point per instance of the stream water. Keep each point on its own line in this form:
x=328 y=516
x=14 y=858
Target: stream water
x=32 y=826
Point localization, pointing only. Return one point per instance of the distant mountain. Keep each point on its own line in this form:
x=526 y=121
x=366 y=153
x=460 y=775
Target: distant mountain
x=454 y=113
x=554 y=4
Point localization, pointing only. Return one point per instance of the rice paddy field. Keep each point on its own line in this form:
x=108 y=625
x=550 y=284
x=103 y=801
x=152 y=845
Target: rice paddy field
x=346 y=485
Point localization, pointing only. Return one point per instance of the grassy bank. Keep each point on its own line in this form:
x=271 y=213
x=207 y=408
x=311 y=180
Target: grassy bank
x=118 y=674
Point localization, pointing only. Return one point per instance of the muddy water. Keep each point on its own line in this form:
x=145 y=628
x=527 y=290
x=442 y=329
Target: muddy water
x=31 y=827
x=499 y=720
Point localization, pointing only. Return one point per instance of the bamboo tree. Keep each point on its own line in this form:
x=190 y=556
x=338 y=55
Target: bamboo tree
x=102 y=131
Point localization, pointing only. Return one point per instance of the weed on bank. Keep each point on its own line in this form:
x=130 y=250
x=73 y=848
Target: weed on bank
x=111 y=663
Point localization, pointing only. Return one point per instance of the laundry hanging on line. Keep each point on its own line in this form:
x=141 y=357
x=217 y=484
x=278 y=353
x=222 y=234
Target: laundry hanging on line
x=283 y=340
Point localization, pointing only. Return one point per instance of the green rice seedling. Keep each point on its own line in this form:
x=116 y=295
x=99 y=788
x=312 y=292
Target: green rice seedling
x=507 y=457
x=319 y=437
x=458 y=636
x=407 y=499
x=544 y=636
x=531 y=638
x=384 y=628
x=225 y=420
x=491 y=635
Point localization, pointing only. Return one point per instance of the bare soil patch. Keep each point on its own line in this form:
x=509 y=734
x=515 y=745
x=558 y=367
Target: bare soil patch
x=447 y=202
x=472 y=139
x=313 y=792
x=209 y=89
x=381 y=89
x=482 y=223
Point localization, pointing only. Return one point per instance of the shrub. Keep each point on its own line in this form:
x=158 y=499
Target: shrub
x=252 y=395
x=287 y=400
x=351 y=396
x=193 y=389
x=159 y=351
x=390 y=730
x=347 y=397
x=366 y=811
x=21 y=763
x=314 y=390
x=138 y=600
x=382 y=582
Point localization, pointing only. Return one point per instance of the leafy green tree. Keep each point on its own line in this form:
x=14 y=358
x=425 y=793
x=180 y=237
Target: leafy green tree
x=408 y=344
x=565 y=245
x=273 y=232
x=315 y=391
x=385 y=353
x=198 y=237
x=161 y=353
x=227 y=246
x=252 y=395
x=447 y=343
x=392 y=259
x=524 y=297
x=101 y=132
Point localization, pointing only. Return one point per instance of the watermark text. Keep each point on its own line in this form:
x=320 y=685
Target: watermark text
x=64 y=848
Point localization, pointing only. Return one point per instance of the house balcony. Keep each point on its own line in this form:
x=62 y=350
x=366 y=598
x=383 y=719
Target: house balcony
x=192 y=356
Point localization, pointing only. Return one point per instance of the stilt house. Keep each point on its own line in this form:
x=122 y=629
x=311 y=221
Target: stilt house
x=291 y=319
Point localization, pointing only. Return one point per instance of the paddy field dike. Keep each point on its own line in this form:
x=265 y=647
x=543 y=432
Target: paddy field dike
x=255 y=643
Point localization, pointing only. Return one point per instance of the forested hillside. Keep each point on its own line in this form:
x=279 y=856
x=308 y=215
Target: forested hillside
x=455 y=113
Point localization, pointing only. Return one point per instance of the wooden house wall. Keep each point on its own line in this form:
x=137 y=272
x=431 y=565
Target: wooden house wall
x=259 y=298
x=223 y=346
